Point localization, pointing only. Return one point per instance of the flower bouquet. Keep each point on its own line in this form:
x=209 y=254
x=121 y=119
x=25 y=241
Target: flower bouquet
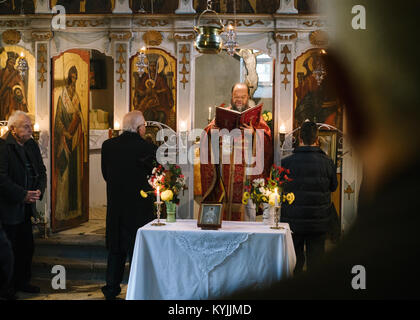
x=167 y=183
x=263 y=192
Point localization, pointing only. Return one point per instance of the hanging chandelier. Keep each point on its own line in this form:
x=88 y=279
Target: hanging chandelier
x=141 y=63
x=231 y=43
x=22 y=66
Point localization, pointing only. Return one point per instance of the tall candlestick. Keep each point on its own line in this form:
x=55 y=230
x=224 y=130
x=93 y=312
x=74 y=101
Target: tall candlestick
x=209 y=113
x=276 y=203
x=158 y=195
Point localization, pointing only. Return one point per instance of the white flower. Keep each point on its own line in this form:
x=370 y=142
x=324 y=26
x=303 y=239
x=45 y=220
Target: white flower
x=267 y=193
x=262 y=190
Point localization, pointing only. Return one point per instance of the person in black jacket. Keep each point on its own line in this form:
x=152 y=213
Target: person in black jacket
x=314 y=177
x=22 y=182
x=127 y=160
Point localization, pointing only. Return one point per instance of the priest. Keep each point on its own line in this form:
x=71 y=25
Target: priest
x=225 y=182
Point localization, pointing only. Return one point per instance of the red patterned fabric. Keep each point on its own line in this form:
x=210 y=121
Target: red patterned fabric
x=234 y=176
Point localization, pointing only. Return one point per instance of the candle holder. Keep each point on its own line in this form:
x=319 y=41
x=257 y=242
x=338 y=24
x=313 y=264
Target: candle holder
x=282 y=138
x=115 y=133
x=158 y=223
x=277 y=217
x=35 y=135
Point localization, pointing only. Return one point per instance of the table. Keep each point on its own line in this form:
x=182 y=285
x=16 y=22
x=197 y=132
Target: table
x=180 y=261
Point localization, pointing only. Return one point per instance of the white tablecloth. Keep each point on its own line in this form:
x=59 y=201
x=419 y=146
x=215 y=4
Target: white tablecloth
x=180 y=261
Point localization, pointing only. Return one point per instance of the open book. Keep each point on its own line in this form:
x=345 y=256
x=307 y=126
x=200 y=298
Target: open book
x=231 y=119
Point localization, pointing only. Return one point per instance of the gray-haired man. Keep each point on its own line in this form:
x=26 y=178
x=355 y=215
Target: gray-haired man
x=127 y=160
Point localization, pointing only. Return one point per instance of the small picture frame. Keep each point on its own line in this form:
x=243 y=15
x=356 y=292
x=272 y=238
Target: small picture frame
x=210 y=216
x=328 y=143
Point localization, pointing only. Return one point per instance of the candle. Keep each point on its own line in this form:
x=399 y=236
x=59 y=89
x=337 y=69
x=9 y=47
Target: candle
x=1 y=131
x=36 y=127
x=209 y=113
x=143 y=49
x=158 y=195
x=183 y=126
x=276 y=203
x=117 y=126
x=22 y=54
x=282 y=129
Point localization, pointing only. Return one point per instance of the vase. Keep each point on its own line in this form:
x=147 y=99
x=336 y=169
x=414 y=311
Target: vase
x=268 y=214
x=170 y=211
x=250 y=211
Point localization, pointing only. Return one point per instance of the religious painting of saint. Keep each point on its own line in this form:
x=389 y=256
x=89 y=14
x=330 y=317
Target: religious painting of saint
x=70 y=178
x=315 y=97
x=16 y=92
x=154 y=91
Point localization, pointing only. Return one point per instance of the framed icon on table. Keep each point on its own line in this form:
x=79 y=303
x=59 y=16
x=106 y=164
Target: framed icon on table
x=210 y=216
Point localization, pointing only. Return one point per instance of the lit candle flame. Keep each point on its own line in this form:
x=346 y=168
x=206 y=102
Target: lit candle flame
x=183 y=126
x=117 y=126
x=36 y=127
x=282 y=129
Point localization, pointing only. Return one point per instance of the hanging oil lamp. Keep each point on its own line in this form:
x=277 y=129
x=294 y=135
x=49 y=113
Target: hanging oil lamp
x=208 y=38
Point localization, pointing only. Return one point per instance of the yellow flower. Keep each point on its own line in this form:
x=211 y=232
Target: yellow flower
x=167 y=195
x=245 y=197
x=265 y=117
x=269 y=116
x=143 y=194
x=264 y=199
x=290 y=197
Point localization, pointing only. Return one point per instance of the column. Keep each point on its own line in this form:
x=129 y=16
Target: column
x=185 y=7
x=283 y=87
x=351 y=180
x=185 y=111
x=43 y=110
x=122 y=6
x=121 y=80
x=42 y=6
x=287 y=7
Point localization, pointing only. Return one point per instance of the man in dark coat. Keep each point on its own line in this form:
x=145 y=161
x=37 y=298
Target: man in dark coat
x=127 y=160
x=314 y=177
x=22 y=182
